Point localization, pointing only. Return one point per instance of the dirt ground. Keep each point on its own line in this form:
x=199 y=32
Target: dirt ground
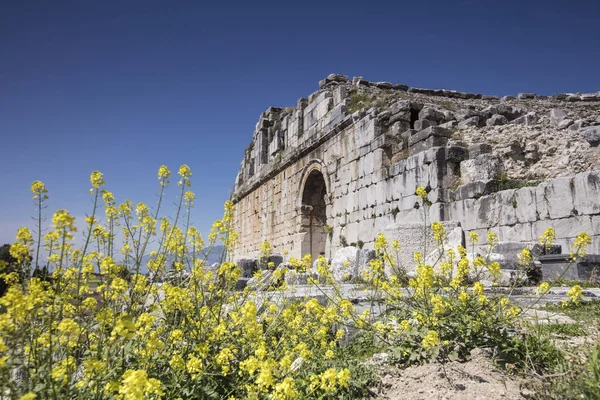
x=472 y=380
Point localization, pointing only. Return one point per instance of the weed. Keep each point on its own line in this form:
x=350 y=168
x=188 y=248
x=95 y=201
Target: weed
x=359 y=101
x=343 y=241
x=586 y=311
x=503 y=182
x=562 y=330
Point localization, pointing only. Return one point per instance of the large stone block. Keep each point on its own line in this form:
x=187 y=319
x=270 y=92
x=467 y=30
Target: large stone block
x=486 y=211
x=429 y=132
x=559 y=197
x=433 y=136
x=557 y=266
x=431 y=114
x=463 y=211
x=541 y=201
x=364 y=131
x=525 y=202
x=415 y=237
x=507 y=212
x=484 y=167
x=586 y=188
x=424 y=124
x=572 y=226
x=516 y=233
x=596 y=224
x=472 y=121
x=527 y=119
x=473 y=190
x=343 y=264
x=557 y=115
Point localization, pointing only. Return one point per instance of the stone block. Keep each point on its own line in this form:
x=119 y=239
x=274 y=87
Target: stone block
x=449 y=124
x=473 y=190
x=383 y=141
x=401 y=106
x=526 y=96
x=539 y=227
x=541 y=202
x=433 y=131
x=586 y=190
x=525 y=202
x=507 y=210
x=496 y=120
x=485 y=209
x=429 y=113
x=517 y=233
x=565 y=123
x=417 y=237
x=463 y=211
x=383 y=85
x=364 y=131
x=343 y=264
x=337 y=78
x=559 y=197
x=424 y=124
x=557 y=266
x=484 y=167
x=472 y=121
x=557 y=115
x=363 y=258
x=591 y=134
x=527 y=119
x=596 y=224
x=572 y=226
x=480 y=148
x=397 y=168
x=432 y=141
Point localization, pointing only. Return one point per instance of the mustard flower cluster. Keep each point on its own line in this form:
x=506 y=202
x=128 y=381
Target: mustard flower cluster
x=98 y=328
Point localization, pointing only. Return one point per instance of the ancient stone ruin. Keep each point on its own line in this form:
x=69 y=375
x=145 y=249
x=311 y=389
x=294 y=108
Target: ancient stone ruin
x=344 y=165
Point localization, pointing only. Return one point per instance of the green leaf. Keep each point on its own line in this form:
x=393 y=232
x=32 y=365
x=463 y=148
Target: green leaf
x=453 y=356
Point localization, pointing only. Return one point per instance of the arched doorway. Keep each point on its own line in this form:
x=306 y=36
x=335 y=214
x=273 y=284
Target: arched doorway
x=314 y=215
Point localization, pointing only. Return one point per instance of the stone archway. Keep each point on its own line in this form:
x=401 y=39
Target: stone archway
x=313 y=213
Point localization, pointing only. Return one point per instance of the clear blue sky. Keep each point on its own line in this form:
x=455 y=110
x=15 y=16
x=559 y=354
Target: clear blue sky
x=125 y=86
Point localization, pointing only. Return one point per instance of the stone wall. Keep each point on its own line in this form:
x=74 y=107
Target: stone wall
x=569 y=205
x=344 y=165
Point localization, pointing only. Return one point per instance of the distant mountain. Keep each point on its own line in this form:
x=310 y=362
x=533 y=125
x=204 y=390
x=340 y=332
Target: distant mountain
x=214 y=256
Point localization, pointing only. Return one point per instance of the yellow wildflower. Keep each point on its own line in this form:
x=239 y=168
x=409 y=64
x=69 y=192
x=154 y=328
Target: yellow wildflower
x=543 y=288
x=96 y=179
x=473 y=238
x=431 y=340
x=137 y=386
x=439 y=231
x=575 y=294
x=421 y=192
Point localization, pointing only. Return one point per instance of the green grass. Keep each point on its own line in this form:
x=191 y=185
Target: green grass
x=586 y=311
x=359 y=101
x=571 y=283
x=562 y=330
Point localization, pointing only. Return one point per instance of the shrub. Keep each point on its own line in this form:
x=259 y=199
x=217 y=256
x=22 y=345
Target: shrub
x=99 y=328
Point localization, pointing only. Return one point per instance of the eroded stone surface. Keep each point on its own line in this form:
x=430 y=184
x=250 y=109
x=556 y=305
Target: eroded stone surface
x=344 y=163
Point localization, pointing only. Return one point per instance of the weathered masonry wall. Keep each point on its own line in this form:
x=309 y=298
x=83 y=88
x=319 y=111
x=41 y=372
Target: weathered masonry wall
x=328 y=172
x=569 y=205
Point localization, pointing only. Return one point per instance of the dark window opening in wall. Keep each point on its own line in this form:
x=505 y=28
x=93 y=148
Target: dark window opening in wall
x=414 y=117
